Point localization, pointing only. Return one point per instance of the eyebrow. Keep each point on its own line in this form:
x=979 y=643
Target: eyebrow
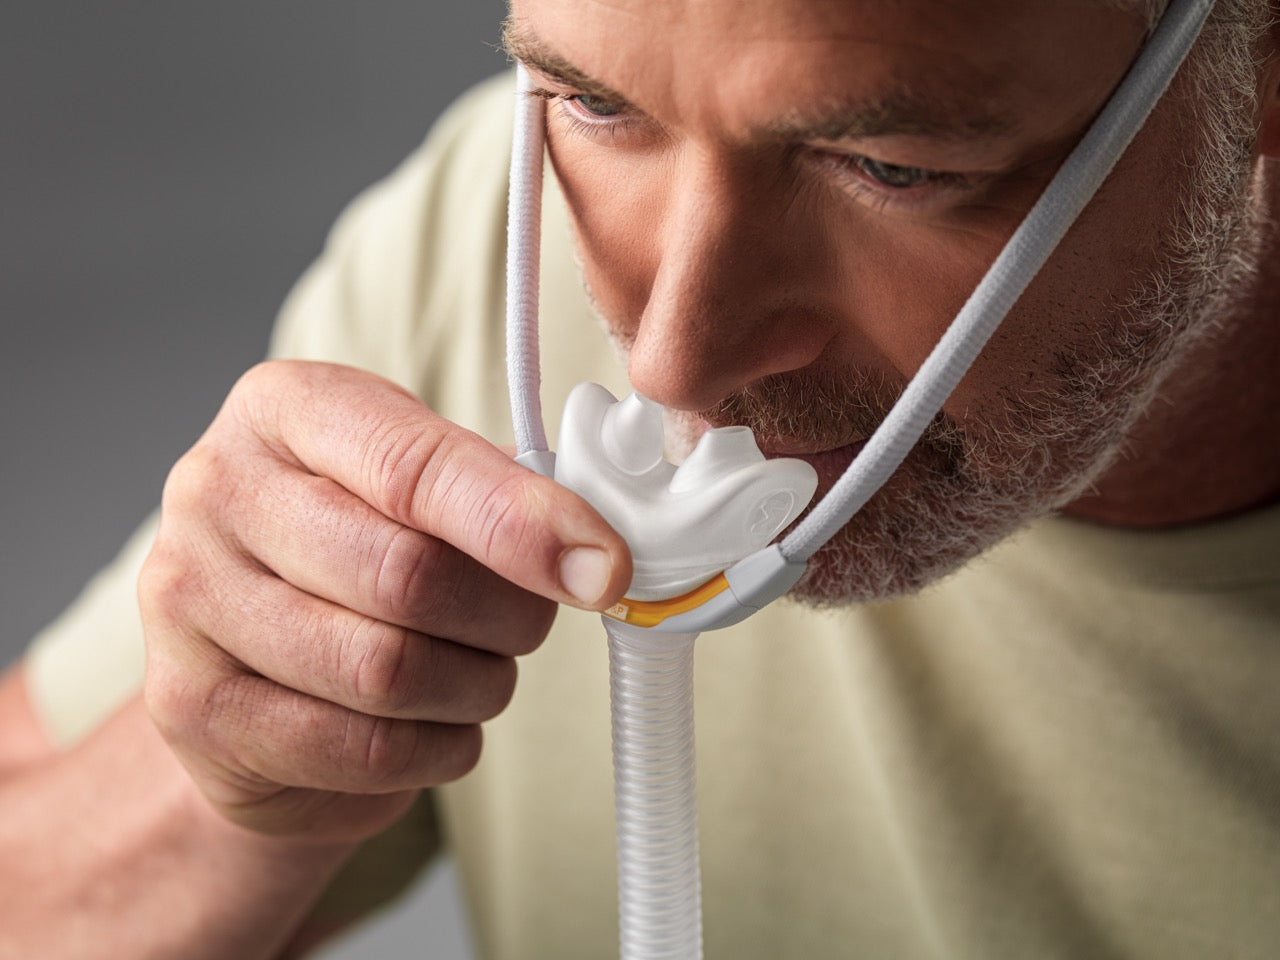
x=900 y=112
x=903 y=111
x=534 y=53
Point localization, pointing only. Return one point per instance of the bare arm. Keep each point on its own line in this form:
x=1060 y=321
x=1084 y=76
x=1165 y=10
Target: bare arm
x=109 y=850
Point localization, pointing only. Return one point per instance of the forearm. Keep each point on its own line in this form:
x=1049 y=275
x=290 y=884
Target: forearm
x=109 y=850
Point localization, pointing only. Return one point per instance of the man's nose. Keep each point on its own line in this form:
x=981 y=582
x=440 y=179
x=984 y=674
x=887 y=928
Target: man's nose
x=735 y=296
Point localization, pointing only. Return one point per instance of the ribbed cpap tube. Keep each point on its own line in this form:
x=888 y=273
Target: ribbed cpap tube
x=659 y=883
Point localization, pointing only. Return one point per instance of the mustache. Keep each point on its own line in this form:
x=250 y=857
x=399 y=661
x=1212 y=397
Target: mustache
x=829 y=409
x=822 y=409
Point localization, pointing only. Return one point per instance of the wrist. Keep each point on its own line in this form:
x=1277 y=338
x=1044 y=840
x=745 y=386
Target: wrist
x=289 y=857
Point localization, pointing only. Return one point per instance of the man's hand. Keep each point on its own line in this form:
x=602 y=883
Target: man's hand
x=339 y=588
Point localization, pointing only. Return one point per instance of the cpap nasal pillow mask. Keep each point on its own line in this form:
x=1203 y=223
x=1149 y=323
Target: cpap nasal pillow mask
x=700 y=533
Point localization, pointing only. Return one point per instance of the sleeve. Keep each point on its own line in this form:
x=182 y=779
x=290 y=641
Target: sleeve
x=89 y=661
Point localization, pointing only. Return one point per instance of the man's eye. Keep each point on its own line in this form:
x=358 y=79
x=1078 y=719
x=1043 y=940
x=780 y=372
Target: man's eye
x=893 y=184
x=893 y=176
x=595 y=106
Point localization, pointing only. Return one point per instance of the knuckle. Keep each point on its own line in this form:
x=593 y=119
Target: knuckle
x=185 y=480
x=263 y=401
x=183 y=703
x=411 y=579
x=189 y=583
x=423 y=583
x=506 y=517
x=397 y=465
x=199 y=483
x=261 y=377
x=167 y=587
x=497 y=507
x=393 y=672
x=379 y=752
x=386 y=754
x=381 y=680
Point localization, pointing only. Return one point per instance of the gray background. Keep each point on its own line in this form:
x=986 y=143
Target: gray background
x=166 y=170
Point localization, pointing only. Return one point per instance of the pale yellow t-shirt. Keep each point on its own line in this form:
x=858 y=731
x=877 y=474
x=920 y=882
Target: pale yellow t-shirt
x=1070 y=749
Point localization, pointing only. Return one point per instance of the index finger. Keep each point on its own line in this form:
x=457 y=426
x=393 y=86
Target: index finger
x=419 y=469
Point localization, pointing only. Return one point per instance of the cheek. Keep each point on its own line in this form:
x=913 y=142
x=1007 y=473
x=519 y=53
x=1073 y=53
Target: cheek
x=615 y=207
x=1069 y=320
x=903 y=283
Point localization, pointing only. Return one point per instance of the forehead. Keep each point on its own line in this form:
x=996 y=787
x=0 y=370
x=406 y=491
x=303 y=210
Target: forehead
x=733 y=65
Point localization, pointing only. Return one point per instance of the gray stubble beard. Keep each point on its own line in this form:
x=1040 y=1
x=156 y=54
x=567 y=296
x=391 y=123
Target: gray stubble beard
x=967 y=487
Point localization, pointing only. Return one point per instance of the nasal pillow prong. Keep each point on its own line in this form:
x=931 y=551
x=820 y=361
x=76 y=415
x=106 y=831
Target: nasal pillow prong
x=632 y=435
x=699 y=532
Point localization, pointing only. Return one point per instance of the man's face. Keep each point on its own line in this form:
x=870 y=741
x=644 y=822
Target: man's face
x=780 y=206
